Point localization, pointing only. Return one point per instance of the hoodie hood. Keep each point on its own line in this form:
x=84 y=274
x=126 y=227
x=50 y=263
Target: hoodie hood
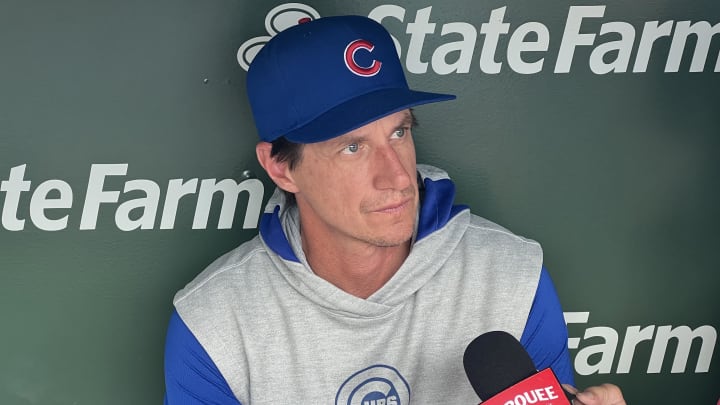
x=433 y=242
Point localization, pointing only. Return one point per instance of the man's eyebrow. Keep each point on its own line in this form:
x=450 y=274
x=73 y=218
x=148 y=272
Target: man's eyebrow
x=408 y=119
x=346 y=139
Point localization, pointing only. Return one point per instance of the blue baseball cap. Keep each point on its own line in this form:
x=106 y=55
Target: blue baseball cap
x=323 y=78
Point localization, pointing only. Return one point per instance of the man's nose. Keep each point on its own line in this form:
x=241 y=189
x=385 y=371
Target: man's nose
x=389 y=171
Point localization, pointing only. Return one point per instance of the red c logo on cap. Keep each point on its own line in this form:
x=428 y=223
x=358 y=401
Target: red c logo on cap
x=350 y=50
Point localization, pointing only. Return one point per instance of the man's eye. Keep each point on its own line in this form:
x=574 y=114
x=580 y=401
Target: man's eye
x=351 y=148
x=399 y=133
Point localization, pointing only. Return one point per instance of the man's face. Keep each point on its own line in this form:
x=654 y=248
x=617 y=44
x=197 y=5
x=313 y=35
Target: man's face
x=360 y=188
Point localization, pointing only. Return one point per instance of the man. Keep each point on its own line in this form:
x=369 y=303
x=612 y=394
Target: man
x=366 y=283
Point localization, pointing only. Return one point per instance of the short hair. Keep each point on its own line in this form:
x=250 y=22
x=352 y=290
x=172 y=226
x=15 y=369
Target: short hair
x=290 y=152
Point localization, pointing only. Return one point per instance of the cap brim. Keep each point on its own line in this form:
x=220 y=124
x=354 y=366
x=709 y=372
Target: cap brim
x=360 y=111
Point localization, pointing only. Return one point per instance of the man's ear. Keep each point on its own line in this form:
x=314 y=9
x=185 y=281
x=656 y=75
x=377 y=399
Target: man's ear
x=278 y=171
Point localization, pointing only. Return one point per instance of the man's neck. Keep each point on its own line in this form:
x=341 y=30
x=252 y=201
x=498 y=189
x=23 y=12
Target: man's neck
x=359 y=271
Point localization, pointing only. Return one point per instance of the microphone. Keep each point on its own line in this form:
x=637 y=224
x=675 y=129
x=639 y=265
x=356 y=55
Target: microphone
x=502 y=373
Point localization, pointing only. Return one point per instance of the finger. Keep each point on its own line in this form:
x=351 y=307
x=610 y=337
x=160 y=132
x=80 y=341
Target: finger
x=569 y=388
x=605 y=394
x=572 y=390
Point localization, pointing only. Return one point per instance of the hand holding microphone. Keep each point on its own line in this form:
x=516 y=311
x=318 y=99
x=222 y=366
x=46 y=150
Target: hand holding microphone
x=605 y=394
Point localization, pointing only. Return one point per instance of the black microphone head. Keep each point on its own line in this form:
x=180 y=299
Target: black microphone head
x=495 y=361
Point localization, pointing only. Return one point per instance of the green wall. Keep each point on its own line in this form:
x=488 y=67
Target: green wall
x=614 y=173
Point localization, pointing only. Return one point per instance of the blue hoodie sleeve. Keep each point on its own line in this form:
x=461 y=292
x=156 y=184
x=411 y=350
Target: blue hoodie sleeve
x=191 y=377
x=545 y=335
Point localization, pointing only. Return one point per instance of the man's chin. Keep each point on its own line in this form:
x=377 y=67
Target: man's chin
x=393 y=240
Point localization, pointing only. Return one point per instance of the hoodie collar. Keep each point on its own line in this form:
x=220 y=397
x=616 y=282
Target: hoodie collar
x=433 y=242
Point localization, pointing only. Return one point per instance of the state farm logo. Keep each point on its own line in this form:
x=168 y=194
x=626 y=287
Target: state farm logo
x=491 y=45
x=278 y=19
